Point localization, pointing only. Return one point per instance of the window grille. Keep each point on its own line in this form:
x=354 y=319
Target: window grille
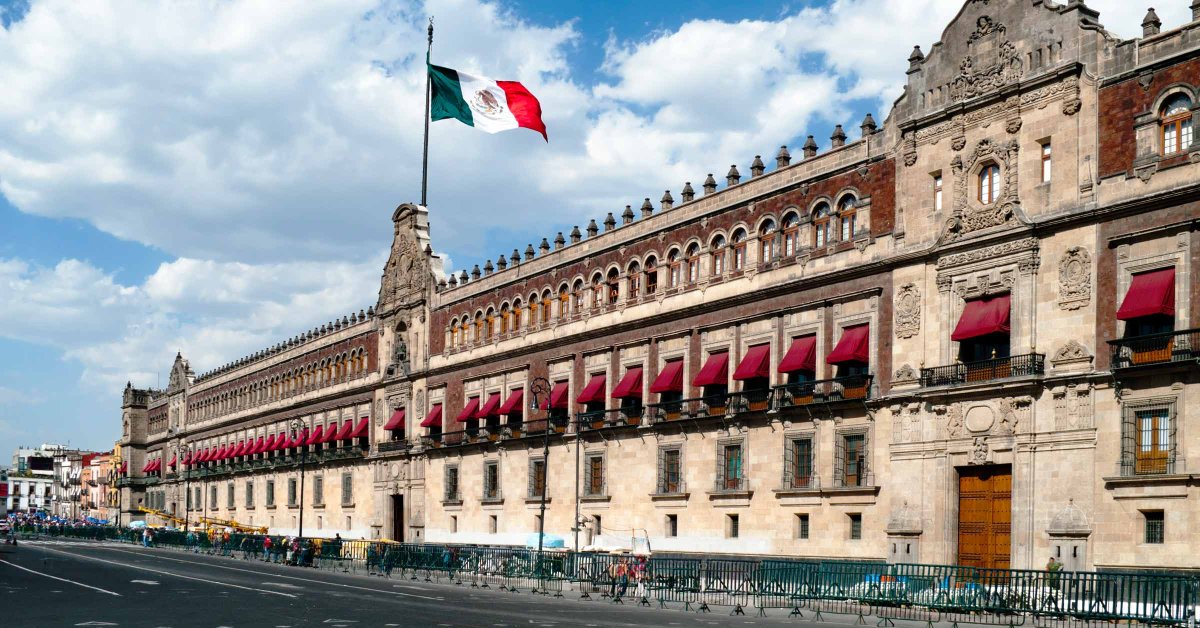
x=537 y=477
x=798 y=462
x=347 y=489
x=1155 y=526
x=249 y=494
x=291 y=495
x=670 y=471
x=594 y=480
x=491 y=480
x=229 y=496
x=850 y=460
x=270 y=493
x=452 y=492
x=318 y=489
x=730 y=475
x=1148 y=438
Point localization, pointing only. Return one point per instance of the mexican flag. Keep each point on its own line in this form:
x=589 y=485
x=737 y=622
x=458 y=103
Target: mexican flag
x=483 y=103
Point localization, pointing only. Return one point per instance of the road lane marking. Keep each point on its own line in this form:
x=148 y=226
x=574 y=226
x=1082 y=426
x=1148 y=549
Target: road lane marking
x=165 y=573
x=144 y=581
x=86 y=586
x=260 y=573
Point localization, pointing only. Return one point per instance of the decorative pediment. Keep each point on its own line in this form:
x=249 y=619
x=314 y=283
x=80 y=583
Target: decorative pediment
x=409 y=272
x=181 y=375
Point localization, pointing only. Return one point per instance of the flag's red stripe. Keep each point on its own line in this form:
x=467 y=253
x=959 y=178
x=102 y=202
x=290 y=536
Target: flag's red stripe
x=525 y=106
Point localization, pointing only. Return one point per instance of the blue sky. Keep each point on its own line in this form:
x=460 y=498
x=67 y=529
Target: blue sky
x=214 y=178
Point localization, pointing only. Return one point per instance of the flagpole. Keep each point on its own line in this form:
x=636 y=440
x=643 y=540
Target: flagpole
x=428 y=89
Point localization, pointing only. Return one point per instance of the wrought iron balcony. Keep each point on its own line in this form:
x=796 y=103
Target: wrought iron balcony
x=1166 y=348
x=749 y=401
x=393 y=445
x=599 y=419
x=984 y=370
x=700 y=407
x=845 y=388
x=1150 y=463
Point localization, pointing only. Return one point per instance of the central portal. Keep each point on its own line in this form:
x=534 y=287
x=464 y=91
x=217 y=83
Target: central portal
x=985 y=516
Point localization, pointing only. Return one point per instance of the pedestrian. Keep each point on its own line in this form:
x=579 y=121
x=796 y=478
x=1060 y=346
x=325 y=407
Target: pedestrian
x=245 y=548
x=1054 y=566
x=266 y=548
x=622 y=577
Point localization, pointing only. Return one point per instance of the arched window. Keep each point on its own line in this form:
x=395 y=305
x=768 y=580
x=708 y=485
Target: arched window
x=766 y=241
x=479 y=337
x=577 y=295
x=674 y=261
x=546 y=301
x=847 y=216
x=614 y=286
x=466 y=329
x=821 y=225
x=989 y=184
x=535 y=307
x=516 y=315
x=564 y=304
x=739 y=249
x=651 y=275
x=505 y=318
x=718 y=255
x=693 y=263
x=1176 y=124
x=791 y=231
x=635 y=280
x=597 y=291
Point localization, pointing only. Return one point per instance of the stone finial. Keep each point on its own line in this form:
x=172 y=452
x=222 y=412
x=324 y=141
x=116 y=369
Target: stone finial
x=733 y=176
x=1195 y=10
x=442 y=284
x=475 y=272
x=501 y=263
x=783 y=157
x=810 y=147
x=839 y=137
x=576 y=236
x=321 y=331
x=610 y=223
x=362 y=316
x=428 y=249
x=559 y=241
x=868 y=125
x=627 y=215
x=544 y=247
x=462 y=277
x=453 y=282
x=353 y=317
x=528 y=252
x=1151 y=25
x=592 y=228
x=371 y=311
x=915 y=59
x=515 y=257
x=488 y=268
x=688 y=193
x=710 y=185
x=346 y=319
x=667 y=201
x=757 y=167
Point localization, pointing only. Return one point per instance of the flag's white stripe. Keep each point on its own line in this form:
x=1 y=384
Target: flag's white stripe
x=489 y=114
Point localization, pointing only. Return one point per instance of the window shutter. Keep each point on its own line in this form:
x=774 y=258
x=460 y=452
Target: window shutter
x=532 y=473
x=839 y=460
x=720 y=466
x=789 y=462
x=662 y=470
x=1129 y=440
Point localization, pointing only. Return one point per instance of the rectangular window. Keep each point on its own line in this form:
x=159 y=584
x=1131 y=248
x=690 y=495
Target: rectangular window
x=453 y=523
x=452 y=493
x=537 y=477
x=739 y=256
x=212 y=498
x=491 y=480
x=318 y=490
x=731 y=467
x=732 y=524
x=802 y=526
x=594 y=482
x=291 y=496
x=855 y=526
x=670 y=480
x=493 y=524
x=851 y=460
x=1047 y=163
x=1148 y=440
x=1155 y=523
x=347 y=489
x=249 y=494
x=672 y=525
x=229 y=496
x=270 y=493
x=798 y=463
x=937 y=191
x=718 y=262
x=848 y=227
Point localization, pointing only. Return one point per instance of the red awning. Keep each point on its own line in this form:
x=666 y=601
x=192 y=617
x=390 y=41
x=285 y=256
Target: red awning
x=200 y=456
x=331 y=431
x=558 y=397
x=396 y=422
x=854 y=347
x=187 y=459
x=259 y=446
x=301 y=438
x=146 y=467
x=434 y=417
x=630 y=385
x=315 y=436
x=281 y=441
x=670 y=378
x=172 y=462
x=360 y=430
x=1150 y=293
x=982 y=317
x=714 y=372
x=223 y=452
x=468 y=412
x=490 y=408
x=512 y=405
x=594 y=391
x=801 y=356
x=756 y=363
x=344 y=433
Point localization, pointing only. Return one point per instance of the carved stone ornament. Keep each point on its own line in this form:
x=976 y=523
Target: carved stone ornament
x=1073 y=407
x=1013 y=125
x=953 y=419
x=408 y=272
x=1070 y=355
x=1013 y=412
x=972 y=216
x=1075 y=279
x=979 y=451
x=910 y=149
x=978 y=255
x=908 y=311
x=905 y=374
x=958 y=142
x=992 y=63
x=1072 y=106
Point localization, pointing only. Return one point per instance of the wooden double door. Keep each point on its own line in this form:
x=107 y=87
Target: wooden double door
x=985 y=516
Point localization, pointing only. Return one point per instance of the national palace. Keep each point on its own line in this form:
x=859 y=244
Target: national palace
x=970 y=335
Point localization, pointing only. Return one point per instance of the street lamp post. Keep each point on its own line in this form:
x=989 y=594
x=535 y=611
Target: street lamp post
x=539 y=388
x=182 y=451
x=297 y=426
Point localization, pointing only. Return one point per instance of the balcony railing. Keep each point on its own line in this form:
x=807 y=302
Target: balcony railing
x=700 y=407
x=393 y=445
x=730 y=484
x=1142 y=464
x=823 y=391
x=1175 y=346
x=749 y=401
x=984 y=370
x=599 y=419
x=801 y=482
x=863 y=479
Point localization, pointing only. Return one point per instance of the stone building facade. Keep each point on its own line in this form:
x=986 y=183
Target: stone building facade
x=963 y=337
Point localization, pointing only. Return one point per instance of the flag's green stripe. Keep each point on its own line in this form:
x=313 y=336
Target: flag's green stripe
x=447 y=101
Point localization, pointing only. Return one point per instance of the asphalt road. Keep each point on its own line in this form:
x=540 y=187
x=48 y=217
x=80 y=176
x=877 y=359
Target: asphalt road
x=60 y=583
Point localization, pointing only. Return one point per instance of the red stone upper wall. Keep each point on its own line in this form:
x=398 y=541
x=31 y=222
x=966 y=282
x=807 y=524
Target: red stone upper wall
x=1121 y=102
